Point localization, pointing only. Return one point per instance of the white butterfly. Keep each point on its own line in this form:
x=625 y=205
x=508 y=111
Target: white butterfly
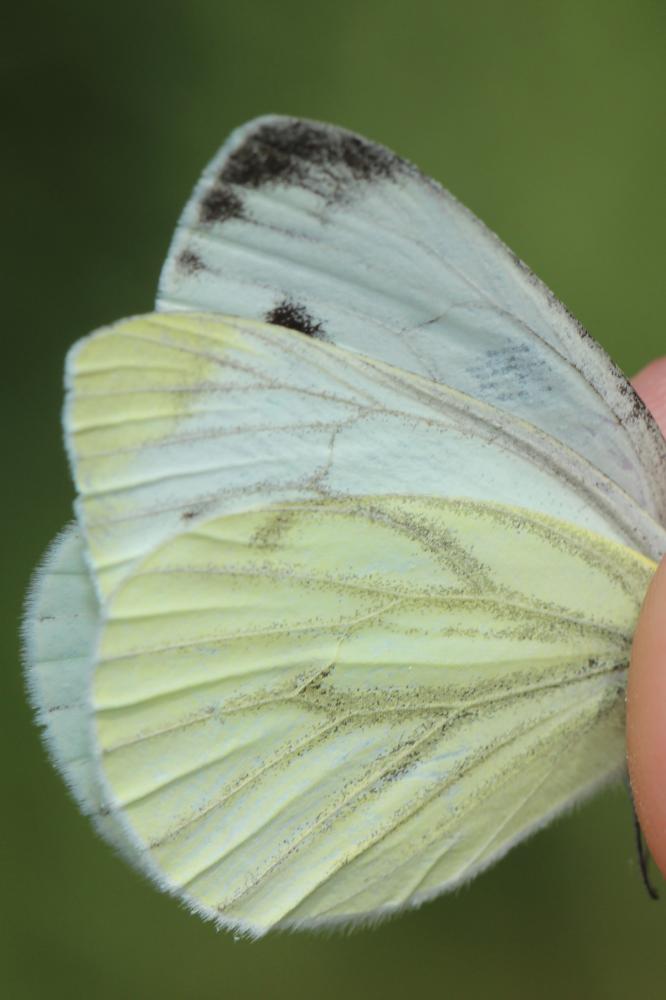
x=347 y=607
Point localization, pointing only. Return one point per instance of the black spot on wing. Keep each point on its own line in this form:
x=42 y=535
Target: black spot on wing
x=319 y=157
x=190 y=262
x=219 y=204
x=295 y=317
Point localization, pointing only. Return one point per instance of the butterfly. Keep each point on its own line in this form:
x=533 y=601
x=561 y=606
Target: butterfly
x=364 y=521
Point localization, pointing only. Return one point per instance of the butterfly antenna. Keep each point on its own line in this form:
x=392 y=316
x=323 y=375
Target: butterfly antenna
x=642 y=851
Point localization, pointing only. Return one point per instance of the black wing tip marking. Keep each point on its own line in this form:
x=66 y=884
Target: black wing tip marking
x=285 y=151
x=219 y=204
x=295 y=316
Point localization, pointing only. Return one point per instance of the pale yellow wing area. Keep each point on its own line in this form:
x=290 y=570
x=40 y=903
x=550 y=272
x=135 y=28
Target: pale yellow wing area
x=329 y=710
x=172 y=419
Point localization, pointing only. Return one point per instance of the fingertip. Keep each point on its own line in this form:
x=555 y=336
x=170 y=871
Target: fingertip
x=650 y=384
x=646 y=718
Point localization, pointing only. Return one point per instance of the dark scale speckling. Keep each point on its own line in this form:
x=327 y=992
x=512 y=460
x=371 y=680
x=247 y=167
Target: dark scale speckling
x=190 y=262
x=295 y=317
x=639 y=410
x=286 y=151
x=219 y=204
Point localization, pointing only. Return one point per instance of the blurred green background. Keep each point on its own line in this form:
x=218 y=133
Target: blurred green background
x=548 y=121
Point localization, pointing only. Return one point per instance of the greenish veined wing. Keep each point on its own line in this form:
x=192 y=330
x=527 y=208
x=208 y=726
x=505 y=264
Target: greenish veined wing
x=329 y=710
x=60 y=628
x=174 y=418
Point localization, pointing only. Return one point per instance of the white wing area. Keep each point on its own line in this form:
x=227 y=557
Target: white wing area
x=173 y=418
x=60 y=634
x=318 y=229
x=331 y=710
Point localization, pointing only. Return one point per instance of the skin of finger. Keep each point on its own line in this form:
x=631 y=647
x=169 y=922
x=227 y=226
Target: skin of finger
x=646 y=693
x=650 y=384
x=646 y=718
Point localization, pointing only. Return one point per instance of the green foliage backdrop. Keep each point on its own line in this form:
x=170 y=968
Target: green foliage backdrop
x=547 y=120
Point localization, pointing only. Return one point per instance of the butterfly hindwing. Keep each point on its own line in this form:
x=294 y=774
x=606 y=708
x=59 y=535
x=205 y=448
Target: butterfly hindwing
x=61 y=630
x=331 y=709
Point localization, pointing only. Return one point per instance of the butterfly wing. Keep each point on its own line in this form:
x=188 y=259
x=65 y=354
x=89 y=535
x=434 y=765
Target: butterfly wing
x=61 y=629
x=173 y=418
x=319 y=693
x=314 y=228
x=331 y=709
x=312 y=704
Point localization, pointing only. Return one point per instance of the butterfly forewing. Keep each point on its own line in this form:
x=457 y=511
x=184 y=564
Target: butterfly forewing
x=315 y=228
